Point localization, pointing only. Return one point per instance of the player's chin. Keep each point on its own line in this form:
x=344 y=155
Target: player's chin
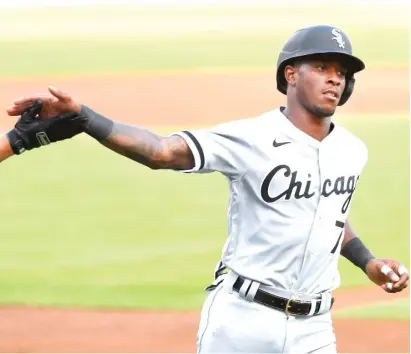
x=324 y=110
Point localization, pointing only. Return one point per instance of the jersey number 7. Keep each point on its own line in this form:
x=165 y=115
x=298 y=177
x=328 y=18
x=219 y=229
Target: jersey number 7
x=341 y=225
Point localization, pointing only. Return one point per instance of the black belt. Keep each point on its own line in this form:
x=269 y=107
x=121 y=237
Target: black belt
x=289 y=306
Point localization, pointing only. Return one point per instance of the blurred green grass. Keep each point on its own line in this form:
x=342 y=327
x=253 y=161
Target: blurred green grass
x=393 y=310
x=211 y=51
x=380 y=211
x=82 y=226
x=121 y=40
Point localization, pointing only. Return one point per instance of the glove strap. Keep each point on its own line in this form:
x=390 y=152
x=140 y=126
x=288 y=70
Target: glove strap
x=16 y=143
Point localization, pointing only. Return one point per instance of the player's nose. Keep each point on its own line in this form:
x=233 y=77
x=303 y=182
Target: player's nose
x=336 y=74
x=334 y=78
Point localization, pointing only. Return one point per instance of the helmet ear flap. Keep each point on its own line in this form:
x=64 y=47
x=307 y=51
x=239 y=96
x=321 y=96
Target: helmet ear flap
x=281 y=81
x=349 y=88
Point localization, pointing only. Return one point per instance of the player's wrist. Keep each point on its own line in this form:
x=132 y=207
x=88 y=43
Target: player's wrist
x=97 y=126
x=16 y=143
x=368 y=266
x=357 y=253
x=5 y=148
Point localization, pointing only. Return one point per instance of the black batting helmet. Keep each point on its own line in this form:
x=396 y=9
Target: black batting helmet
x=317 y=40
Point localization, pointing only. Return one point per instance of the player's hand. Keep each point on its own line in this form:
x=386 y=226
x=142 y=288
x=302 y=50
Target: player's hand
x=390 y=275
x=54 y=104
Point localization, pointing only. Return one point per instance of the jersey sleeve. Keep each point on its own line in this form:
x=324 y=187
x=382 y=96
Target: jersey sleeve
x=365 y=159
x=361 y=153
x=224 y=148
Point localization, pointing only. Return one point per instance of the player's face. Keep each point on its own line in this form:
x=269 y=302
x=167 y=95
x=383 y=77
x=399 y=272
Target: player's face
x=319 y=84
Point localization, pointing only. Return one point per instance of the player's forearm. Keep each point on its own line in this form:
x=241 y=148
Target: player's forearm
x=349 y=234
x=5 y=148
x=139 y=144
x=353 y=249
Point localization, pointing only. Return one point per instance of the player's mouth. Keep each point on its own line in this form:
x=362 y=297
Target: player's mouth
x=331 y=94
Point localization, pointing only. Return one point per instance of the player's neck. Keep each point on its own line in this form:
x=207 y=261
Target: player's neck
x=316 y=127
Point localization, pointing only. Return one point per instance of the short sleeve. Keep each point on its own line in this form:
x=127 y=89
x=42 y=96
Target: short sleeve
x=224 y=148
x=359 y=153
x=364 y=156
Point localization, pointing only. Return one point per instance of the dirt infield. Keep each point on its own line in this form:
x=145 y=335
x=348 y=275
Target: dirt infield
x=203 y=99
x=69 y=330
x=195 y=100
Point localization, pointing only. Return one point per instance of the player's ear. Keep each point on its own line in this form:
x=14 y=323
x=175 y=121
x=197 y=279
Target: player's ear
x=291 y=73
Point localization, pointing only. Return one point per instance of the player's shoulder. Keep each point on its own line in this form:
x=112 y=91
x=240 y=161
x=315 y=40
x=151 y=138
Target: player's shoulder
x=351 y=141
x=248 y=124
x=349 y=136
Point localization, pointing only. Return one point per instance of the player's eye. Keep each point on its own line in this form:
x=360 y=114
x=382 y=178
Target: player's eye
x=342 y=73
x=321 y=67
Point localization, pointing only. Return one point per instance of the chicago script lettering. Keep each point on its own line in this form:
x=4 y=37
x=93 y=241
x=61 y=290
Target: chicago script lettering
x=298 y=188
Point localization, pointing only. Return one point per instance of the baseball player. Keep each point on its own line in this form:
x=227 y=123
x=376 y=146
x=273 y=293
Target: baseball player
x=292 y=174
x=31 y=133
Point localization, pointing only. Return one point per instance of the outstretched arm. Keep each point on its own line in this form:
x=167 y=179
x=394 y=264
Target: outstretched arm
x=391 y=275
x=138 y=144
x=5 y=148
x=148 y=148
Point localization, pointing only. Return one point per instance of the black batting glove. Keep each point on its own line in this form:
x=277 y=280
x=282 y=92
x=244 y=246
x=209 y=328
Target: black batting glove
x=31 y=132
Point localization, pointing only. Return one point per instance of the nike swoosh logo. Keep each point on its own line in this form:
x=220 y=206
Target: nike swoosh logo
x=275 y=144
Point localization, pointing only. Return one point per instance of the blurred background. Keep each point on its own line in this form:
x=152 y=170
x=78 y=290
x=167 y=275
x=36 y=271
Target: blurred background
x=83 y=227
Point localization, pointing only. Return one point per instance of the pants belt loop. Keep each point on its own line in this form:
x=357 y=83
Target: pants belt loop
x=244 y=288
x=252 y=290
x=229 y=281
x=325 y=303
x=313 y=306
x=329 y=299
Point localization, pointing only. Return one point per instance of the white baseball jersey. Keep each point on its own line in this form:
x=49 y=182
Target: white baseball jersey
x=289 y=197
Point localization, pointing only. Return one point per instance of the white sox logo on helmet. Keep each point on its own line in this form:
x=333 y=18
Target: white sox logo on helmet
x=338 y=37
